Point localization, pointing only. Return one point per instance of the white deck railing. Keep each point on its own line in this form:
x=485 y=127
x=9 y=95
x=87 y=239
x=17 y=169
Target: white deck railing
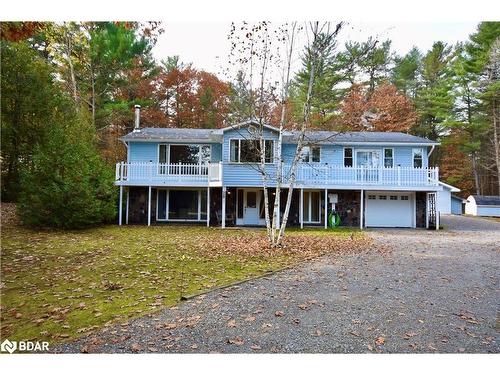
x=306 y=174
x=324 y=174
x=158 y=172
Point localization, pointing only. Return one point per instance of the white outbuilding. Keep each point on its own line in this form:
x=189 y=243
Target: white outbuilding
x=483 y=205
x=444 y=198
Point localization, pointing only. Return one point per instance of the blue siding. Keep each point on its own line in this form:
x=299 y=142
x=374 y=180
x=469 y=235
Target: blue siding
x=235 y=174
x=242 y=133
x=143 y=152
x=456 y=206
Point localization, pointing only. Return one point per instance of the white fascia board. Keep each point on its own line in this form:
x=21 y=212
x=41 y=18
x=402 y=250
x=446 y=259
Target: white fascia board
x=451 y=188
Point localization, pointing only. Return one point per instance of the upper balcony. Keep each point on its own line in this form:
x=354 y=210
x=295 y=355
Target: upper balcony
x=161 y=174
x=403 y=178
x=308 y=175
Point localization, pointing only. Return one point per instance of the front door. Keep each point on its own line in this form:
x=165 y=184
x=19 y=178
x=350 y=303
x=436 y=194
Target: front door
x=368 y=162
x=251 y=207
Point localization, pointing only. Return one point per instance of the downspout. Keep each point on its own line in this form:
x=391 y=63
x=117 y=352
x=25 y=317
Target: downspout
x=431 y=151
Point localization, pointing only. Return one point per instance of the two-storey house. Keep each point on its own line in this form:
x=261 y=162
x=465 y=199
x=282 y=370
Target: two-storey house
x=211 y=176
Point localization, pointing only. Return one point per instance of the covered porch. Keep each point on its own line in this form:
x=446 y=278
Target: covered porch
x=244 y=206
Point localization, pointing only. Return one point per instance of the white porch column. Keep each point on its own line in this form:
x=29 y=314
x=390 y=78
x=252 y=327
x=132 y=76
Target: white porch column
x=126 y=210
x=208 y=206
x=223 y=207
x=120 y=204
x=301 y=210
x=326 y=208
x=362 y=213
x=149 y=207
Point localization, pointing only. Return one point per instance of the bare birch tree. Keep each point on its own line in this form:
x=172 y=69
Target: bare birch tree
x=274 y=52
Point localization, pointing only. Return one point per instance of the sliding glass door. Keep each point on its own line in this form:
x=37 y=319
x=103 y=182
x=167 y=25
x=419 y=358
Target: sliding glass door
x=312 y=207
x=181 y=205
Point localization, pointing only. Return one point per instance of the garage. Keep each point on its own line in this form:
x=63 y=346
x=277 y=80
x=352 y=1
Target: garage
x=389 y=209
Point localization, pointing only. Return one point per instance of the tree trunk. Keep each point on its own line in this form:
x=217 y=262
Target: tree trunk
x=496 y=143
x=69 y=51
x=305 y=121
x=476 y=174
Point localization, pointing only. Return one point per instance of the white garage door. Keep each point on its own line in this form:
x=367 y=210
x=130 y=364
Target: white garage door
x=389 y=210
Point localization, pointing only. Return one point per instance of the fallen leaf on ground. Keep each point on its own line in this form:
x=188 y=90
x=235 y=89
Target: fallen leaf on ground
x=135 y=347
x=380 y=340
x=279 y=313
x=238 y=341
x=409 y=334
x=231 y=323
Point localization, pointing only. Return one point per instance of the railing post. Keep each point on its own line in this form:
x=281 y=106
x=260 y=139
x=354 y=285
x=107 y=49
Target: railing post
x=399 y=175
x=150 y=170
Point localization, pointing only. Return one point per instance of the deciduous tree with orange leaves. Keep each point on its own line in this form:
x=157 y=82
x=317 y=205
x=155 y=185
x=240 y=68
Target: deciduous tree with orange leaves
x=386 y=109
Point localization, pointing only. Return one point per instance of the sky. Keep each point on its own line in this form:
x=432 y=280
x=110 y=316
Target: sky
x=207 y=47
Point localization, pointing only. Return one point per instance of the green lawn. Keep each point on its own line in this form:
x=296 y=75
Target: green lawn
x=57 y=285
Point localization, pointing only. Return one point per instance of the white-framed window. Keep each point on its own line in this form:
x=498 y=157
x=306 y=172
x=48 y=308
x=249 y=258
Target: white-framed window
x=388 y=157
x=348 y=157
x=248 y=150
x=418 y=161
x=393 y=197
x=404 y=197
x=382 y=197
x=372 y=197
x=312 y=207
x=311 y=154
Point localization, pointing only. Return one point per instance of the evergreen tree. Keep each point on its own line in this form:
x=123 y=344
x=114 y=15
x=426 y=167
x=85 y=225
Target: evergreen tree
x=68 y=185
x=406 y=72
x=435 y=99
x=29 y=102
x=376 y=64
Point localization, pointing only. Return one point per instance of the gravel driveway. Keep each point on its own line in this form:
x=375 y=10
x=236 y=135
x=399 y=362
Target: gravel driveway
x=434 y=292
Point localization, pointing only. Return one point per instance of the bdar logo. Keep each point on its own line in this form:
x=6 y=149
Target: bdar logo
x=8 y=346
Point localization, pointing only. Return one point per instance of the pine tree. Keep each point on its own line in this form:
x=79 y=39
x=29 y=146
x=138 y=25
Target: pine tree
x=406 y=72
x=68 y=184
x=435 y=99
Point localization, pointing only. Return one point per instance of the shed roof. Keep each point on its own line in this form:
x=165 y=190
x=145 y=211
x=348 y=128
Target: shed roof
x=487 y=200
